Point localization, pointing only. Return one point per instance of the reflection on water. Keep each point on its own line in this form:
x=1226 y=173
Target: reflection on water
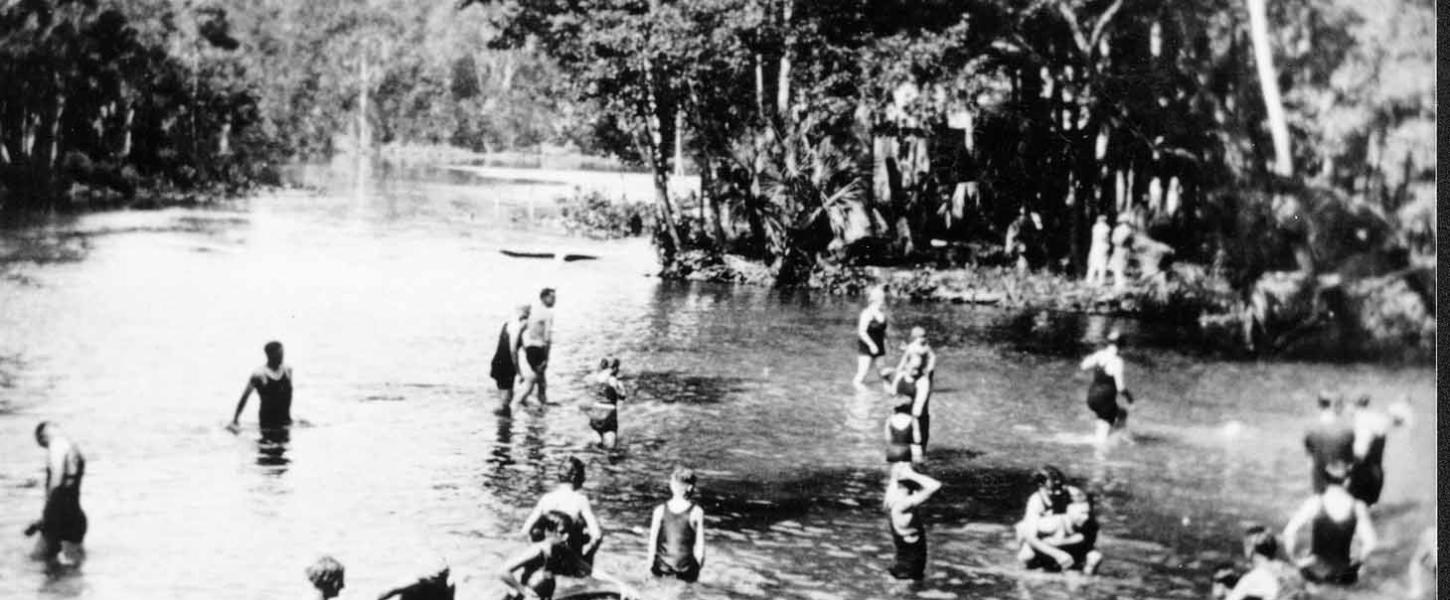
x=129 y=329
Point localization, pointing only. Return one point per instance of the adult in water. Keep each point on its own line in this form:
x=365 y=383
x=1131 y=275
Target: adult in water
x=548 y=557
x=870 y=334
x=1329 y=440
x=504 y=369
x=62 y=525
x=1107 y=384
x=1335 y=520
x=273 y=384
x=584 y=535
x=1041 y=546
x=913 y=377
x=1371 y=428
x=906 y=491
x=604 y=410
x=1268 y=578
x=538 y=341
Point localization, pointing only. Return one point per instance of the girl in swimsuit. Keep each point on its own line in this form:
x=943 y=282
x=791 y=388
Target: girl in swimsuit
x=913 y=379
x=604 y=411
x=903 y=436
x=870 y=334
x=1107 y=384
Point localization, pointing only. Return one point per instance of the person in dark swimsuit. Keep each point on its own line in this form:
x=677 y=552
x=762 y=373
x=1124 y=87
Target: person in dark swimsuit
x=1335 y=520
x=906 y=491
x=903 y=436
x=504 y=369
x=677 y=531
x=548 y=557
x=1107 y=384
x=604 y=411
x=273 y=384
x=62 y=525
x=913 y=378
x=1371 y=431
x=870 y=334
x=1329 y=440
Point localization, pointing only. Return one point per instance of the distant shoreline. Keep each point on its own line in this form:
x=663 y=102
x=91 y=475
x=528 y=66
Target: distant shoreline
x=619 y=185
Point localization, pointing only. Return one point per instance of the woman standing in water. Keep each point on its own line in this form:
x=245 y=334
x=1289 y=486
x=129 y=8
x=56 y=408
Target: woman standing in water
x=870 y=334
x=604 y=410
x=505 y=366
x=1107 y=384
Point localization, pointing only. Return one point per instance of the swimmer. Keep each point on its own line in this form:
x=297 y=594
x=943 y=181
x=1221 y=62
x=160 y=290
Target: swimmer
x=870 y=334
x=1068 y=538
x=538 y=341
x=1268 y=577
x=677 y=531
x=906 y=491
x=585 y=535
x=1330 y=439
x=1371 y=428
x=913 y=378
x=547 y=558
x=1335 y=520
x=903 y=436
x=273 y=384
x=327 y=575
x=62 y=525
x=604 y=411
x=504 y=369
x=1106 y=387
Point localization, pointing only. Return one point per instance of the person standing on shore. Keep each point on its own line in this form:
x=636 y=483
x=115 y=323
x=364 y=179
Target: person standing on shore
x=870 y=334
x=538 y=341
x=1107 y=385
x=62 y=525
x=1329 y=440
x=273 y=384
x=504 y=369
x=1097 y=258
x=1122 y=239
x=906 y=491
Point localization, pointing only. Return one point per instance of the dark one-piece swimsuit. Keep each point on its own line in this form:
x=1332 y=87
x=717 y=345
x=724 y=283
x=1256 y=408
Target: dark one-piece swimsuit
x=1102 y=396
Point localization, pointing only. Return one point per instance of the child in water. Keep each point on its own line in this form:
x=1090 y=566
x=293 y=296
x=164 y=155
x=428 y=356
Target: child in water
x=677 y=531
x=912 y=378
x=604 y=411
x=584 y=534
x=1069 y=530
x=547 y=558
x=903 y=436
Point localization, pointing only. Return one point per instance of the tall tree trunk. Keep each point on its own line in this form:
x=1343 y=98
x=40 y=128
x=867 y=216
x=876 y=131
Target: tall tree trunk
x=1269 y=83
x=783 y=88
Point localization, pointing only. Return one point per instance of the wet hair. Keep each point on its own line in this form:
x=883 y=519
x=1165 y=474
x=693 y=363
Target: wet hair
x=1259 y=540
x=683 y=474
x=1048 y=474
x=918 y=333
x=608 y=363
x=545 y=292
x=272 y=347
x=326 y=573
x=41 y=427
x=1325 y=399
x=571 y=471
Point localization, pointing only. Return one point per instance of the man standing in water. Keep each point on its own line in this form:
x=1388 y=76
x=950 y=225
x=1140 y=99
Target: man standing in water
x=1335 y=520
x=1371 y=427
x=538 y=340
x=906 y=491
x=62 y=524
x=273 y=384
x=505 y=366
x=1331 y=439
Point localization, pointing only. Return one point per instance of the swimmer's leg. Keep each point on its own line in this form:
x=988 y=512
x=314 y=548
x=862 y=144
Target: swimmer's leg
x=526 y=380
x=1103 y=428
x=863 y=366
x=608 y=439
x=1091 y=562
x=542 y=383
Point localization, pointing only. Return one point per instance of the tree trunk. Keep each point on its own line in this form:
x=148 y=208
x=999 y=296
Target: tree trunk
x=1269 y=83
x=782 y=99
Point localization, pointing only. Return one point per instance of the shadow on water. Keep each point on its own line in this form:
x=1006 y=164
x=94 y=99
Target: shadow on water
x=672 y=387
x=272 y=450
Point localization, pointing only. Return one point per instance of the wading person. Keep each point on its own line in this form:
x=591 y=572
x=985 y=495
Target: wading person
x=538 y=340
x=906 y=491
x=677 y=531
x=1107 y=384
x=1335 y=520
x=870 y=334
x=1371 y=429
x=903 y=435
x=604 y=411
x=531 y=573
x=62 y=525
x=1268 y=577
x=1329 y=440
x=585 y=535
x=1058 y=527
x=273 y=384
x=504 y=369
x=1097 y=259
x=327 y=576
x=912 y=378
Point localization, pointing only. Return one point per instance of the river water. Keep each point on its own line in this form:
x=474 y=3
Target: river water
x=136 y=331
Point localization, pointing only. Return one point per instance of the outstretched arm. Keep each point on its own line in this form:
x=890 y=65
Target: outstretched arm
x=520 y=561
x=242 y=403
x=928 y=485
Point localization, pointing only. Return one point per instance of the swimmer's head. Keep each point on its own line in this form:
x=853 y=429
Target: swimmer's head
x=1114 y=338
x=682 y=481
x=327 y=576
x=571 y=471
x=273 y=350
x=1102 y=219
x=918 y=334
x=1048 y=477
x=609 y=364
x=547 y=297
x=553 y=527
x=523 y=311
x=877 y=295
x=1325 y=399
x=43 y=432
x=1362 y=401
x=1336 y=472
x=1259 y=540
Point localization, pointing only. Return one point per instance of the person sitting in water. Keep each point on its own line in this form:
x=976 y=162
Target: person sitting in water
x=273 y=384
x=677 y=531
x=327 y=576
x=550 y=556
x=913 y=378
x=585 y=535
x=903 y=435
x=1268 y=578
x=906 y=491
x=1040 y=542
x=504 y=369
x=870 y=334
x=62 y=525
x=1107 y=386
x=1329 y=440
x=538 y=341
x=604 y=410
x=1371 y=429
x=1335 y=519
